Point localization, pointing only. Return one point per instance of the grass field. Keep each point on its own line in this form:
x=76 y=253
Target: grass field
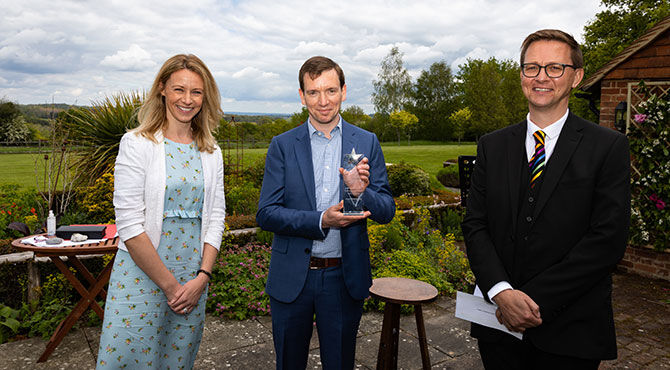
x=19 y=169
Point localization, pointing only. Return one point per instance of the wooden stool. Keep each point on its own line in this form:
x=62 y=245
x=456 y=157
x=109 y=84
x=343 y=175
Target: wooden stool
x=396 y=291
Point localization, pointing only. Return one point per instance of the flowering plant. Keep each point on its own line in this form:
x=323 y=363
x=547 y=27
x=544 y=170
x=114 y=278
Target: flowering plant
x=650 y=187
x=238 y=288
x=18 y=205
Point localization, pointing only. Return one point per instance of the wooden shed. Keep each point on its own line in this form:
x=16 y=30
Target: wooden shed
x=616 y=83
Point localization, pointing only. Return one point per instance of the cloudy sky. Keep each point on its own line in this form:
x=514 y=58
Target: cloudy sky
x=79 y=51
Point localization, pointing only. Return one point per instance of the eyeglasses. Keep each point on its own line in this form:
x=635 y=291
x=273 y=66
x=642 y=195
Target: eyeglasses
x=553 y=70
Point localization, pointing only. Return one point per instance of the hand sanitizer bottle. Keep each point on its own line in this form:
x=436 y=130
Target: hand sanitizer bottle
x=51 y=224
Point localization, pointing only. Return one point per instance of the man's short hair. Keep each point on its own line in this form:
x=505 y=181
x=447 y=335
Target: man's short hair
x=317 y=65
x=555 y=35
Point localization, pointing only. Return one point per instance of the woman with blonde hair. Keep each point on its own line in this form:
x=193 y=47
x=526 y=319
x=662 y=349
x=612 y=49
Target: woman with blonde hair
x=170 y=209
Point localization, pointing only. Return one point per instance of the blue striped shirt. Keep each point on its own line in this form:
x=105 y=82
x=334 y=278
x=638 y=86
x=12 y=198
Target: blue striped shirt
x=326 y=161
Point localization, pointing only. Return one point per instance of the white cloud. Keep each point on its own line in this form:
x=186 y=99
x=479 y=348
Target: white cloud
x=476 y=53
x=254 y=73
x=133 y=59
x=52 y=49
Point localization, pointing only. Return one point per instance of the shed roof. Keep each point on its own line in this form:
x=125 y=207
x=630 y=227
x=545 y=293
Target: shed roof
x=593 y=82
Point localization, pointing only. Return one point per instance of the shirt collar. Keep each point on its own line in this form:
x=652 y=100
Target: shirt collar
x=552 y=130
x=312 y=130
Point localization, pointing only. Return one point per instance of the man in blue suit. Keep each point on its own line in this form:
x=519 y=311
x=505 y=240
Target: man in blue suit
x=320 y=265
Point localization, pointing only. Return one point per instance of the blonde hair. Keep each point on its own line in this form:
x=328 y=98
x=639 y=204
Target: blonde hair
x=152 y=113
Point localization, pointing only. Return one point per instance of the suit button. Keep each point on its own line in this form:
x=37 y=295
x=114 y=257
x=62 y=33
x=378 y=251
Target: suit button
x=531 y=199
x=525 y=238
x=307 y=250
x=529 y=219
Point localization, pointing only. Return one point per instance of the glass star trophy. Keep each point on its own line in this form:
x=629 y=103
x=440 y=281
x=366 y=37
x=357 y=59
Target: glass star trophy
x=353 y=206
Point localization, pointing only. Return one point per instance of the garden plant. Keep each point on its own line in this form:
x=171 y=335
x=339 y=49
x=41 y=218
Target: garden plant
x=649 y=138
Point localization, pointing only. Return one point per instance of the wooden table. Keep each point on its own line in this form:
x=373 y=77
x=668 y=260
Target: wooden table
x=61 y=257
x=396 y=291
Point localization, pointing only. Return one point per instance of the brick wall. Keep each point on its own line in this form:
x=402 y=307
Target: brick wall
x=646 y=262
x=650 y=64
x=612 y=92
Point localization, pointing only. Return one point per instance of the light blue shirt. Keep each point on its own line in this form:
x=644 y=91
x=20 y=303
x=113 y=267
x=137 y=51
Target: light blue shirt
x=326 y=161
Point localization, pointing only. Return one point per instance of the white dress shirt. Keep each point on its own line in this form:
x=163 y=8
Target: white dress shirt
x=552 y=132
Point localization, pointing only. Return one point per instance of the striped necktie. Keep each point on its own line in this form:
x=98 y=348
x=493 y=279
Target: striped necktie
x=536 y=163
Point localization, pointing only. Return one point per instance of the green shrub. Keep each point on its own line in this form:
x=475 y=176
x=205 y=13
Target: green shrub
x=43 y=319
x=98 y=130
x=448 y=176
x=406 y=178
x=264 y=237
x=448 y=220
x=9 y=325
x=410 y=247
x=254 y=173
x=241 y=198
x=98 y=200
x=403 y=263
x=18 y=205
x=237 y=290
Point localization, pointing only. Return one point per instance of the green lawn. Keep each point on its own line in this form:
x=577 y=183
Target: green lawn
x=20 y=168
x=428 y=157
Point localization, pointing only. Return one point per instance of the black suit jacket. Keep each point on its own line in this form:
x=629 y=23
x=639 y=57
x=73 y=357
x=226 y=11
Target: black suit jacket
x=577 y=235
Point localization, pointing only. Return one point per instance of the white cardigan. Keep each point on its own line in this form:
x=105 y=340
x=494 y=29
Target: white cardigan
x=139 y=191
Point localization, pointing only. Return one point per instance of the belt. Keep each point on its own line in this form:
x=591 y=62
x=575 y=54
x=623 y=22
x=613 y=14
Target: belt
x=316 y=263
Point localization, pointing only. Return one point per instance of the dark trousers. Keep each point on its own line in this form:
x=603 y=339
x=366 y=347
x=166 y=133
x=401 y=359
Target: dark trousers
x=337 y=318
x=514 y=354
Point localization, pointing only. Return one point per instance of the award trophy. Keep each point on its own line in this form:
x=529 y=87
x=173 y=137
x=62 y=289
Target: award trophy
x=353 y=206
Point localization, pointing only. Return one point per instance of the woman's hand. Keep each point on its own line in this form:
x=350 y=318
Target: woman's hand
x=188 y=295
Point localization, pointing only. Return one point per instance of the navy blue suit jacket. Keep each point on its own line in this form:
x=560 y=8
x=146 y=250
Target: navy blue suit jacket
x=287 y=207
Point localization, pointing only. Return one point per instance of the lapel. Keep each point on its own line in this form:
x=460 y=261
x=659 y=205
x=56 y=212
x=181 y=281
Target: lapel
x=303 y=154
x=568 y=140
x=348 y=143
x=516 y=144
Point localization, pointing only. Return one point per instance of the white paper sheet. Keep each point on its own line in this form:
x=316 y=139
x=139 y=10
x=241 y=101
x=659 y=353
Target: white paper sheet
x=477 y=310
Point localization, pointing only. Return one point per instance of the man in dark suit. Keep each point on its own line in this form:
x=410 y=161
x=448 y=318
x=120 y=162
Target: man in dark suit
x=547 y=221
x=320 y=264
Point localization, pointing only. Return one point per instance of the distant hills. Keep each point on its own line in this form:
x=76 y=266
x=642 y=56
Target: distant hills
x=41 y=113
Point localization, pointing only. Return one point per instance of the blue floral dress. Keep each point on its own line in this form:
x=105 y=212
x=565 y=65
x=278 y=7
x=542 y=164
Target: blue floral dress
x=139 y=329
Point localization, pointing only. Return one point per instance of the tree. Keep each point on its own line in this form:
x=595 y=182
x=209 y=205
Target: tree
x=460 y=121
x=13 y=126
x=355 y=115
x=434 y=96
x=492 y=91
x=380 y=126
x=299 y=117
x=610 y=32
x=403 y=122
x=618 y=26
x=393 y=85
